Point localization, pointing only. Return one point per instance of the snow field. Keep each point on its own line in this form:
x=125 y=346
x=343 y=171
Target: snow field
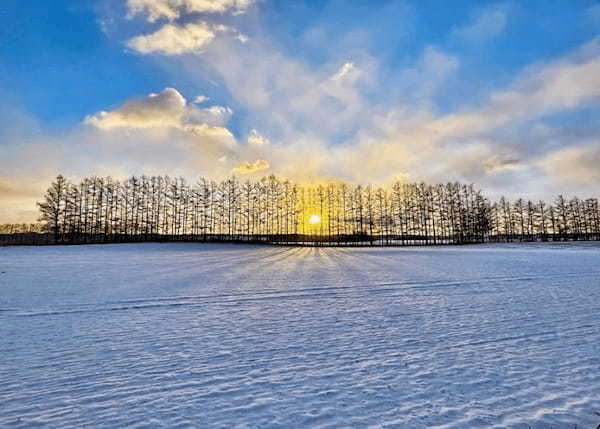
x=200 y=335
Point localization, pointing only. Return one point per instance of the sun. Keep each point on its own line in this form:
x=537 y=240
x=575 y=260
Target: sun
x=314 y=219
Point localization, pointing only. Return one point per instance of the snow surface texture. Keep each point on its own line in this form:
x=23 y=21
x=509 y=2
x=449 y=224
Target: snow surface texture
x=199 y=335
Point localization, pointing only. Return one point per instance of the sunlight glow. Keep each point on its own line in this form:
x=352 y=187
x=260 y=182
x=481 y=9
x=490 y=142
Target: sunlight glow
x=314 y=219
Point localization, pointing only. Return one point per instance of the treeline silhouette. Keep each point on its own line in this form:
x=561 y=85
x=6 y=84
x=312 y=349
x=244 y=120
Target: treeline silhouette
x=160 y=208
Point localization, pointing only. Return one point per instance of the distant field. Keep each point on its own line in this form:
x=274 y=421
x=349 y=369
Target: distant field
x=202 y=335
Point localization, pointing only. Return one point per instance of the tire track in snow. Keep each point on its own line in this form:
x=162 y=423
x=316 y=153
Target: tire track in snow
x=304 y=293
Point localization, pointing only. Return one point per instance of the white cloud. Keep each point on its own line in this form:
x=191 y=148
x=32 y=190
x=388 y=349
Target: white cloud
x=213 y=115
x=172 y=39
x=251 y=167
x=257 y=139
x=344 y=71
x=169 y=110
x=217 y=135
x=219 y=111
x=201 y=99
x=175 y=39
x=165 y=109
x=174 y=9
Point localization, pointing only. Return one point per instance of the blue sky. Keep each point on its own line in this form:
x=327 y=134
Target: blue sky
x=492 y=92
x=58 y=48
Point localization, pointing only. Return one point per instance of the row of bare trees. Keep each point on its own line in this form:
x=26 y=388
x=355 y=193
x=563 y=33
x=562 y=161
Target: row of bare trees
x=521 y=220
x=160 y=208
x=24 y=233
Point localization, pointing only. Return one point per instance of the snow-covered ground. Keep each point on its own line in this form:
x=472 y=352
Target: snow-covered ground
x=198 y=335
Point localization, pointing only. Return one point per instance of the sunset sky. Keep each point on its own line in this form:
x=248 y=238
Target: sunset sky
x=502 y=94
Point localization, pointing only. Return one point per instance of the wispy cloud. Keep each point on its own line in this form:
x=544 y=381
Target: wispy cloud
x=486 y=23
x=577 y=165
x=201 y=99
x=567 y=83
x=593 y=15
x=344 y=71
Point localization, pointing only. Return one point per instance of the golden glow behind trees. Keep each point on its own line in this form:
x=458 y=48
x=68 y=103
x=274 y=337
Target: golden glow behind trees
x=230 y=210
x=271 y=210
